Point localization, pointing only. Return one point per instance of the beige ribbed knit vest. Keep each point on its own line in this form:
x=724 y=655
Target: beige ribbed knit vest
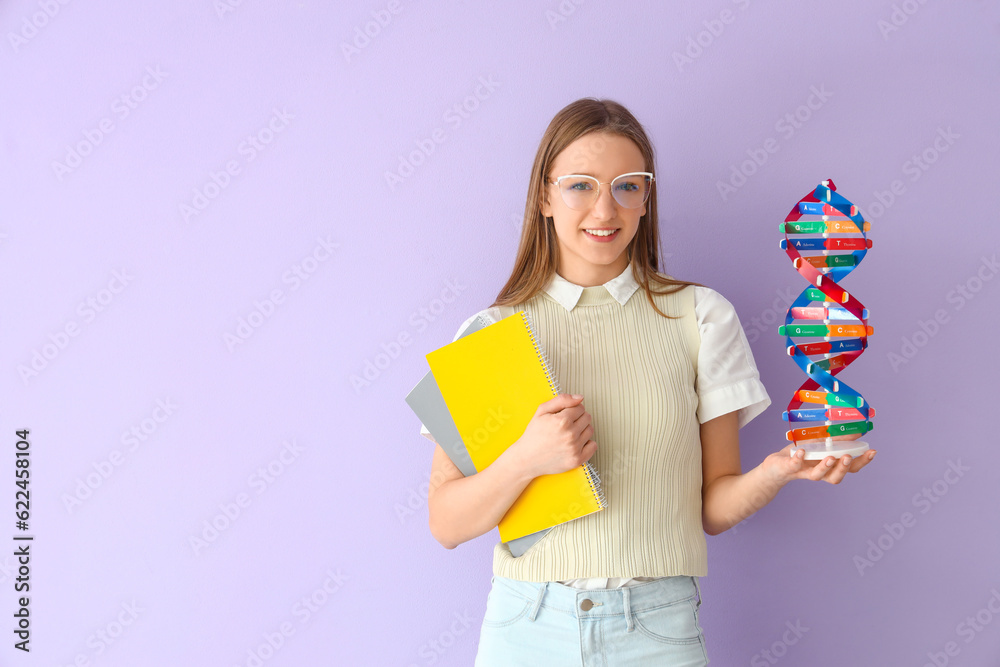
x=636 y=371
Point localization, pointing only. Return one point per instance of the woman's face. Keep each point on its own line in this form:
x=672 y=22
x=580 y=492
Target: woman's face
x=584 y=258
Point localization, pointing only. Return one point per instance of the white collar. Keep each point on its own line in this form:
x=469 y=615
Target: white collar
x=568 y=294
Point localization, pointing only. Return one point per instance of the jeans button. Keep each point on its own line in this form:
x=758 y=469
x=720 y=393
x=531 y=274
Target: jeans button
x=586 y=605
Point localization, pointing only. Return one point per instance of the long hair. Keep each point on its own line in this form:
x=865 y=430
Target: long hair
x=537 y=250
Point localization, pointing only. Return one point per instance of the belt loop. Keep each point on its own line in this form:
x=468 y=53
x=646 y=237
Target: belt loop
x=538 y=600
x=627 y=597
x=697 y=588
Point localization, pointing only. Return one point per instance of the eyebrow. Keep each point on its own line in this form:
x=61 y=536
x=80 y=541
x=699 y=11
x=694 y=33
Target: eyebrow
x=587 y=173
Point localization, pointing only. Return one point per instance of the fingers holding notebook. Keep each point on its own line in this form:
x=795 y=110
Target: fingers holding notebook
x=558 y=437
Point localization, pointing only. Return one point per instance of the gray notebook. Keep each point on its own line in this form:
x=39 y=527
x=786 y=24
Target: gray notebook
x=428 y=404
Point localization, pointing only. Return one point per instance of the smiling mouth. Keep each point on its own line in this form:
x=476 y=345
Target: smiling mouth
x=601 y=233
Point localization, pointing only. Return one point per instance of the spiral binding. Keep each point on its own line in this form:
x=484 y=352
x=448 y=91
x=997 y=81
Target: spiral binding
x=593 y=478
x=823 y=270
x=543 y=356
x=595 y=484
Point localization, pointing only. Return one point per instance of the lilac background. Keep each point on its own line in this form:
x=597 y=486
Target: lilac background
x=346 y=508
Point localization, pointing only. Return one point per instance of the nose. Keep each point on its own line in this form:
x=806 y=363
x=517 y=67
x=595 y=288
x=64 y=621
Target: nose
x=605 y=206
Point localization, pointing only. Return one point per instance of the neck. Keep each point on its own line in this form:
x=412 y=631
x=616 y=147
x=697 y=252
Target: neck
x=592 y=275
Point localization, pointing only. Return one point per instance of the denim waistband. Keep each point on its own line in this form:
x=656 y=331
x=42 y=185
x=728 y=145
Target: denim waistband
x=604 y=601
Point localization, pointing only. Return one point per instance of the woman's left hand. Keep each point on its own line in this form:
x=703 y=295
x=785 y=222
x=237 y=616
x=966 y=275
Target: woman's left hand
x=782 y=468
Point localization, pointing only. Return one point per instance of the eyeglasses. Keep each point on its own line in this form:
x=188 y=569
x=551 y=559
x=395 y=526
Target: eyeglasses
x=580 y=192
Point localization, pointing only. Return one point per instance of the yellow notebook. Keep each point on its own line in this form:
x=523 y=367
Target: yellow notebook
x=492 y=381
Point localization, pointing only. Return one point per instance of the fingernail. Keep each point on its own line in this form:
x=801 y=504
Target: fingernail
x=829 y=464
x=871 y=456
x=847 y=462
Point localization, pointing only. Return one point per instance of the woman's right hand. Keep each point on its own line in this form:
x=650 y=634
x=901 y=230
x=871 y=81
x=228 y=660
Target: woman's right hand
x=557 y=438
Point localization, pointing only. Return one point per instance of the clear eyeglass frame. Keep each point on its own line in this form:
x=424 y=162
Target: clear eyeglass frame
x=582 y=203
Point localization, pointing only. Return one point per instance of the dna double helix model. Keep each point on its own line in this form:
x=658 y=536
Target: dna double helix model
x=826 y=239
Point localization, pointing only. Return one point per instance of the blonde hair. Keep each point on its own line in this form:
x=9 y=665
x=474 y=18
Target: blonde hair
x=537 y=250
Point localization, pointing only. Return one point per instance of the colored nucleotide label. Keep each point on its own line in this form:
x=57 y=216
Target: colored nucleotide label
x=820 y=313
x=828 y=431
x=826 y=244
x=824 y=330
x=821 y=261
x=823 y=227
x=829 y=364
x=830 y=414
x=830 y=241
x=817 y=295
x=803 y=396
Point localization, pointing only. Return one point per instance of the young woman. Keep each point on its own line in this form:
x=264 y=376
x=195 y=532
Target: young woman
x=668 y=378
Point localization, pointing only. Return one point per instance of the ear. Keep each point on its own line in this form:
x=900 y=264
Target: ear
x=544 y=204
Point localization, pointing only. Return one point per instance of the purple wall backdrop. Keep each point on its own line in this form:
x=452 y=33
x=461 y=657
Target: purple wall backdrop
x=202 y=251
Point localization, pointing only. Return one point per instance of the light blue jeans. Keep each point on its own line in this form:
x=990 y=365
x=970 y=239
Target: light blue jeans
x=553 y=625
